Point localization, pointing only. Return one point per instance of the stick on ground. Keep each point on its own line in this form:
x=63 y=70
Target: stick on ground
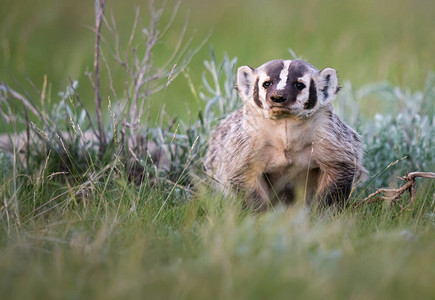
x=393 y=195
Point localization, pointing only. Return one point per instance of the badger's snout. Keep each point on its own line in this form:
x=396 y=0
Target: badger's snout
x=278 y=98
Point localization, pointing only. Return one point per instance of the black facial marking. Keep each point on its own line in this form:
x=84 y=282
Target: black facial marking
x=256 y=96
x=297 y=69
x=312 y=98
x=291 y=90
x=273 y=69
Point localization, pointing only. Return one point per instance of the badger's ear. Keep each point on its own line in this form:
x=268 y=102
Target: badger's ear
x=245 y=82
x=327 y=84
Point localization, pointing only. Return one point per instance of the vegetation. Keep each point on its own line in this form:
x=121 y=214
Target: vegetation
x=126 y=213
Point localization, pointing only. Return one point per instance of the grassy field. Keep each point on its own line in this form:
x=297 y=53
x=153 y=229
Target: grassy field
x=211 y=249
x=78 y=220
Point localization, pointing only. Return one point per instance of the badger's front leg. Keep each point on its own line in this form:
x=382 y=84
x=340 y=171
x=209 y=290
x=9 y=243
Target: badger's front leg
x=249 y=183
x=236 y=167
x=258 y=197
x=335 y=184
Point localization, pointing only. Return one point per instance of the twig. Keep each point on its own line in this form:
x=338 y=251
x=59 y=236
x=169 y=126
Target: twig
x=144 y=65
x=27 y=136
x=99 y=6
x=30 y=106
x=393 y=195
x=109 y=74
x=27 y=104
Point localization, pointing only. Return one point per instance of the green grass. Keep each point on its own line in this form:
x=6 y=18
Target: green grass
x=211 y=248
x=76 y=224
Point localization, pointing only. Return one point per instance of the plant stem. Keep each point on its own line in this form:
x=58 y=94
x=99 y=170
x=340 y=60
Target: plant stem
x=99 y=17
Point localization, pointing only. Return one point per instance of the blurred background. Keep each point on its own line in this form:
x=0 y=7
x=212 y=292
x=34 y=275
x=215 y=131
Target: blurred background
x=365 y=41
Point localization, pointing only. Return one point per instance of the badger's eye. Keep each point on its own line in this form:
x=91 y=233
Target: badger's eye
x=266 y=84
x=299 y=85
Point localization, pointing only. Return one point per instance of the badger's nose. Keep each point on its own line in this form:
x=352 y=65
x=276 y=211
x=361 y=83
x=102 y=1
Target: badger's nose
x=278 y=98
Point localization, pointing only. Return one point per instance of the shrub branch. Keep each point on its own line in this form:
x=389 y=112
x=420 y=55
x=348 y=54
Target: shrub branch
x=393 y=195
x=99 y=6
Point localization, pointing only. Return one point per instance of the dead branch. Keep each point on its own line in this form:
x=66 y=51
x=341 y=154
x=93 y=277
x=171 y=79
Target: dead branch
x=393 y=195
x=15 y=95
x=99 y=12
x=145 y=65
x=28 y=106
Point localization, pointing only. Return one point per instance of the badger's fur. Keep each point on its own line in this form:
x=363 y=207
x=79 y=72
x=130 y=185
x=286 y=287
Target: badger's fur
x=285 y=142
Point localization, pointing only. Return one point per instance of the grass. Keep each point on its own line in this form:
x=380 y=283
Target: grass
x=211 y=248
x=75 y=223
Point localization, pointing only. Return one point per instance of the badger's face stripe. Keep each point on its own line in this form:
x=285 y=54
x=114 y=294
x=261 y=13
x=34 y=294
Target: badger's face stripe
x=296 y=71
x=271 y=71
x=256 y=95
x=281 y=88
x=283 y=75
x=312 y=98
x=298 y=68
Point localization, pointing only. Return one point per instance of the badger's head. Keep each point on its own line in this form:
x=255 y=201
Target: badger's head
x=285 y=88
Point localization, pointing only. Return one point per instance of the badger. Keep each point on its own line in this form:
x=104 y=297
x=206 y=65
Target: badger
x=285 y=143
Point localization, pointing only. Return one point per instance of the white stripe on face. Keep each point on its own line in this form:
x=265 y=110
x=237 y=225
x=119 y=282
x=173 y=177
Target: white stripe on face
x=283 y=75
